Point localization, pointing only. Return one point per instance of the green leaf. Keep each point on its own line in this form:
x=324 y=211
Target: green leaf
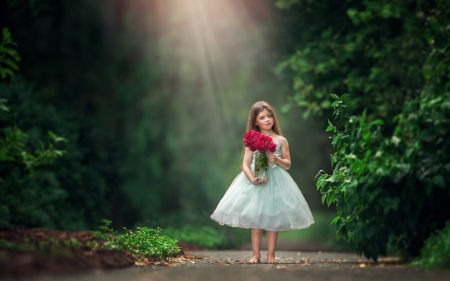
x=331 y=179
x=334 y=96
x=329 y=128
x=10 y=63
x=5 y=72
x=335 y=220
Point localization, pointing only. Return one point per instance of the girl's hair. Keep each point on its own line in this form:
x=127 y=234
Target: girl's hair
x=255 y=110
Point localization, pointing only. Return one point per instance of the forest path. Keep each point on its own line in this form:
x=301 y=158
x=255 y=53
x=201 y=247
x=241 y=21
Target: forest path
x=293 y=265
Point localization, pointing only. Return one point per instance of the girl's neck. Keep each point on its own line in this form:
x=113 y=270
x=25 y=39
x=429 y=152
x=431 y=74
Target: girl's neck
x=269 y=133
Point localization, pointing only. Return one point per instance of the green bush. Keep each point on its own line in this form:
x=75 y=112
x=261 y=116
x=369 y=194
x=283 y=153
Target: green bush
x=391 y=133
x=373 y=49
x=436 y=252
x=69 y=194
x=144 y=242
x=390 y=192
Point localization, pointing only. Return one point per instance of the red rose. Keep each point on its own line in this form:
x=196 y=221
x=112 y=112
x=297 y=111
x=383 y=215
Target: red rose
x=250 y=139
x=261 y=146
x=272 y=147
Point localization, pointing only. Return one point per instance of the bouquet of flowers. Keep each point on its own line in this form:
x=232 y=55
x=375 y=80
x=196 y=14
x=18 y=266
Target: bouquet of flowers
x=262 y=145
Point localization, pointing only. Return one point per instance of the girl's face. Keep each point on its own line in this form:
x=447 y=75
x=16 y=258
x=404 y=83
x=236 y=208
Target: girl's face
x=264 y=120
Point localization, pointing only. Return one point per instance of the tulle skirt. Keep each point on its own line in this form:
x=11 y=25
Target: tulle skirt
x=277 y=205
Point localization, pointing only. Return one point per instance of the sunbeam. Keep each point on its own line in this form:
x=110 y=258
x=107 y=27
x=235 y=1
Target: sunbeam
x=216 y=45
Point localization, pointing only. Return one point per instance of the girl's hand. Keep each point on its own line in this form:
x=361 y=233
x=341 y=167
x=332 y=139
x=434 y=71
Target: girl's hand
x=257 y=181
x=272 y=158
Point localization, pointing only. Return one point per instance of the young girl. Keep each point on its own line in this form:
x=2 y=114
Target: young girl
x=274 y=203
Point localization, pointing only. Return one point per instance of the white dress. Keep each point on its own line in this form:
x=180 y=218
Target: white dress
x=277 y=205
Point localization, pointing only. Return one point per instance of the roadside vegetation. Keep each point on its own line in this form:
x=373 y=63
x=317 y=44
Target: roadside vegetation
x=377 y=72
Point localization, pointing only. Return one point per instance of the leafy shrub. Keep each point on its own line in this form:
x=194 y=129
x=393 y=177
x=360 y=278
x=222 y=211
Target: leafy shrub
x=390 y=192
x=436 y=252
x=391 y=134
x=72 y=193
x=373 y=49
x=144 y=242
x=18 y=159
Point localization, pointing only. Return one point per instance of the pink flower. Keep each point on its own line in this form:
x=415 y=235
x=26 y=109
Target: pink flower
x=261 y=146
x=272 y=147
x=254 y=140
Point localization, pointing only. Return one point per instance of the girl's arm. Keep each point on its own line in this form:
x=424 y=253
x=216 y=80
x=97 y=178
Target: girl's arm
x=246 y=167
x=285 y=160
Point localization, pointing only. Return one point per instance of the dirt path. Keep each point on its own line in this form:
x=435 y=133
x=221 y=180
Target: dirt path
x=293 y=265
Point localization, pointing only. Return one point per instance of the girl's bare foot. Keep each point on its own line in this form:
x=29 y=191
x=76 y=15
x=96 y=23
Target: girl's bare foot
x=254 y=259
x=271 y=259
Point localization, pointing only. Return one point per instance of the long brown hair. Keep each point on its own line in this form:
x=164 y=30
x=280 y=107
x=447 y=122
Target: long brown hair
x=255 y=110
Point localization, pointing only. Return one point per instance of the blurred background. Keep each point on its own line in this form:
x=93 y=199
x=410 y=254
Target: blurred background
x=152 y=97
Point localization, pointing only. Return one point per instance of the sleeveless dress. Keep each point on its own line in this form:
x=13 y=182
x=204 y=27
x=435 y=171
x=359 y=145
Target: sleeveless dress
x=277 y=205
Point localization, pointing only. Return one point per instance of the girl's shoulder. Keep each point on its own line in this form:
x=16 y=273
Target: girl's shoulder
x=281 y=139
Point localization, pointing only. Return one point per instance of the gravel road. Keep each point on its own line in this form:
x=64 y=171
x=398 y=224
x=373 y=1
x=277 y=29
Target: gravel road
x=293 y=265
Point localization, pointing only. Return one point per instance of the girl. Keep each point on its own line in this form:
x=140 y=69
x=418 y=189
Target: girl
x=274 y=203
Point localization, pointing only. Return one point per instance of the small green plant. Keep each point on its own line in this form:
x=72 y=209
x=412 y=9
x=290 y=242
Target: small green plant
x=105 y=232
x=8 y=55
x=144 y=242
x=436 y=252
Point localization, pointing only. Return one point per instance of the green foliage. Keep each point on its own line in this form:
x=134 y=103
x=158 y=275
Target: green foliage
x=108 y=79
x=17 y=162
x=390 y=131
x=372 y=50
x=14 y=152
x=144 y=242
x=8 y=55
x=53 y=195
x=436 y=252
x=389 y=192
x=105 y=232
